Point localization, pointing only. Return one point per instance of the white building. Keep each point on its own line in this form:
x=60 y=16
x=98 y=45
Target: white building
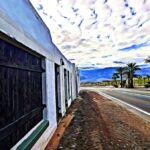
x=37 y=83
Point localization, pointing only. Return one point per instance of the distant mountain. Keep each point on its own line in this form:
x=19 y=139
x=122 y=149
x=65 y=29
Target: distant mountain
x=100 y=74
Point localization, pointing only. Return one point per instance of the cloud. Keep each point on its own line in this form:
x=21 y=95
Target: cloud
x=98 y=33
x=134 y=47
x=118 y=62
x=40 y=7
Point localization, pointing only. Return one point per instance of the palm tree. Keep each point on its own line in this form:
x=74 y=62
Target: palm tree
x=147 y=60
x=131 y=68
x=115 y=76
x=120 y=71
x=126 y=74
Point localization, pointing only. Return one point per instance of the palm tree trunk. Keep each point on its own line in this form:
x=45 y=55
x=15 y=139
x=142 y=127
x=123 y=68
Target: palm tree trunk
x=131 y=82
x=121 y=80
x=132 y=86
x=116 y=82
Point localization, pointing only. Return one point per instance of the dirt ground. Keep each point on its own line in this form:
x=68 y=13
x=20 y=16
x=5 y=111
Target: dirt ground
x=101 y=124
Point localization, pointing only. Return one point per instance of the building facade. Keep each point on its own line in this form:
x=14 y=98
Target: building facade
x=37 y=83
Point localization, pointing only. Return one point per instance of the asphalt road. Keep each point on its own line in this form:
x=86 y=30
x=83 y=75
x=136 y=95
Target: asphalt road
x=136 y=98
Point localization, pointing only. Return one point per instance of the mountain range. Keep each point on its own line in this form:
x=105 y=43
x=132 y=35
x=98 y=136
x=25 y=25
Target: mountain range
x=100 y=74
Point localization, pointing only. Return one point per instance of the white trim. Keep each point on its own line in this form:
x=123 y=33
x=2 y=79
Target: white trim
x=26 y=136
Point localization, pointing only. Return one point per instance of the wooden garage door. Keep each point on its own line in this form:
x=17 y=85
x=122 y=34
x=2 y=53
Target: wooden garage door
x=20 y=93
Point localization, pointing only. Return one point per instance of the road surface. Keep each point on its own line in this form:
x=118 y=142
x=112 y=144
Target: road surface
x=139 y=100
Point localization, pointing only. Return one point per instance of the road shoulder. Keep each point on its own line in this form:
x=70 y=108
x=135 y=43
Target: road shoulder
x=100 y=123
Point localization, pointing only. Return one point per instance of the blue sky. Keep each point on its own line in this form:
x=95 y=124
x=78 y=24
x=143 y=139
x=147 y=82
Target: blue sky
x=98 y=34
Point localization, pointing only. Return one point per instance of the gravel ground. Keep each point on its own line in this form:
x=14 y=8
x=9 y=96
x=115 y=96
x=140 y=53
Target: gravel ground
x=101 y=124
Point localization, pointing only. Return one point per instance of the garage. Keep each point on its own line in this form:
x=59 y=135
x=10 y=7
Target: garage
x=21 y=105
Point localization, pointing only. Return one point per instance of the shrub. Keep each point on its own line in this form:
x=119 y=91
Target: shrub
x=147 y=85
x=115 y=85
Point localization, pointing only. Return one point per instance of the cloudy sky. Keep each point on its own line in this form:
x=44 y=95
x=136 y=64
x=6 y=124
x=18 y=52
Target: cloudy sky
x=99 y=33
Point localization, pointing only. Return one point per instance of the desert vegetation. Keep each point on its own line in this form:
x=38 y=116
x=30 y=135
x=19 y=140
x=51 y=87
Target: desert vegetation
x=129 y=78
x=125 y=76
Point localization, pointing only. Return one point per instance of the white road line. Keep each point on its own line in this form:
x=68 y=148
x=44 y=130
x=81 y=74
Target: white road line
x=134 y=107
x=130 y=93
x=133 y=90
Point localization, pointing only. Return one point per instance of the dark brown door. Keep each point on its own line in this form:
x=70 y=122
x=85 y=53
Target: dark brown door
x=20 y=93
x=57 y=92
x=66 y=87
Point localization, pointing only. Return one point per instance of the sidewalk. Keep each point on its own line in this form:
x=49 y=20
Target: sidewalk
x=100 y=123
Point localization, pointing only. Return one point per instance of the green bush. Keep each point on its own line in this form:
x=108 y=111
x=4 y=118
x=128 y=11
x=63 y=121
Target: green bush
x=116 y=86
x=147 y=85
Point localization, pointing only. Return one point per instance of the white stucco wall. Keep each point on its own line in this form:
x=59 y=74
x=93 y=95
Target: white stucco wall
x=78 y=79
x=63 y=107
x=50 y=111
x=22 y=13
x=74 y=82
x=23 y=24
x=50 y=93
